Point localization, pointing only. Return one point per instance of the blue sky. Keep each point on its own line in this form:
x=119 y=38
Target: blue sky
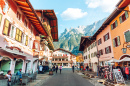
x=72 y=13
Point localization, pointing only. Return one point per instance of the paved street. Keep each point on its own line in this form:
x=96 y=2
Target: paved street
x=67 y=78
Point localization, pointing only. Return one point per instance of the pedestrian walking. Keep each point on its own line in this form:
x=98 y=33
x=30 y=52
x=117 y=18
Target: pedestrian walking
x=87 y=68
x=73 y=68
x=60 y=68
x=56 y=68
x=127 y=72
x=8 y=75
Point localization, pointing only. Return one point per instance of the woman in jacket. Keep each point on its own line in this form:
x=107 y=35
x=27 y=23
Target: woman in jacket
x=60 y=68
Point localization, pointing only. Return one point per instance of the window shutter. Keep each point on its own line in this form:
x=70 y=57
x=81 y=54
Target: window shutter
x=105 y=51
x=0 y=18
x=102 y=51
x=120 y=18
x=118 y=40
x=104 y=38
x=126 y=14
x=108 y=35
x=109 y=49
x=114 y=43
x=111 y=27
x=127 y=36
x=116 y=23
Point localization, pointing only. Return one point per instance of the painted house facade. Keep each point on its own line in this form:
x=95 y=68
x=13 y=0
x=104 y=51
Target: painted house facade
x=89 y=48
x=20 y=34
x=120 y=31
x=104 y=44
x=64 y=58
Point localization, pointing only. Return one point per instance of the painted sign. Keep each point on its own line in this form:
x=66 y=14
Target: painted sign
x=118 y=76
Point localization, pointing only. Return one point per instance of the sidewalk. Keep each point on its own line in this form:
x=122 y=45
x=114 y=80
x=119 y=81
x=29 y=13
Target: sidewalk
x=41 y=78
x=94 y=79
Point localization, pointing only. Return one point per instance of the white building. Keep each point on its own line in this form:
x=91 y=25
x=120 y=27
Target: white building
x=64 y=58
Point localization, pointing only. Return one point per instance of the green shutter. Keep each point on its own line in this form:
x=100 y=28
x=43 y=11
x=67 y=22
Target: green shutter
x=127 y=36
x=126 y=14
x=114 y=43
x=116 y=23
x=111 y=27
x=120 y=18
x=118 y=40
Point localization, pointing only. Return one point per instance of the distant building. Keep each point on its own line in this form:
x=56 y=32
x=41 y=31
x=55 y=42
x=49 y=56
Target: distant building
x=89 y=48
x=63 y=57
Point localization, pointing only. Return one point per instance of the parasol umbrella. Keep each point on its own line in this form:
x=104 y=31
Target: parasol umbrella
x=125 y=59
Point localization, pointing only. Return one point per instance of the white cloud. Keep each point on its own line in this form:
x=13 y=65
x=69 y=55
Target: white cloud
x=56 y=13
x=105 y=5
x=73 y=14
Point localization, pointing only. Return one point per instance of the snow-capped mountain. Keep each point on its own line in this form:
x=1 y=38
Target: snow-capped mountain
x=70 y=38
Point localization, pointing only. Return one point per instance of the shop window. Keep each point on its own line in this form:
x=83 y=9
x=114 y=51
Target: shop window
x=26 y=42
x=106 y=37
x=114 y=25
x=18 y=16
x=108 y=50
x=116 y=41
x=123 y=17
x=0 y=18
x=25 y=23
x=99 y=41
x=18 y=36
x=127 y=36
x=7 y=27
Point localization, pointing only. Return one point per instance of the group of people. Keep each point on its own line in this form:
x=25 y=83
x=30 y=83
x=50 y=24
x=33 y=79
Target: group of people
x=56 y=68
x=9 y=75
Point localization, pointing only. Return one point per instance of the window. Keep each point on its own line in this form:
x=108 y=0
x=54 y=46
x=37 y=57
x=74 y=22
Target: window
x=0 y=18
x=108 y=50
x=18 y=16
x=88 y=48
x=7 y=27
x=123 y=17
x=116 y=41
x=25 y=23
x=89 y=56
x=86 y=57
x=127 y=36
x=95 y=54
x=18 y=36
x=114 y=25
x=101 y=52
x=95 y=43
x=99 y=41
x=106 y=37
x=26 y=43
x=12 y=32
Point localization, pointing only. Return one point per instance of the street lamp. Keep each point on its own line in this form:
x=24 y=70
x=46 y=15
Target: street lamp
x=98 y=56
x=124 y=49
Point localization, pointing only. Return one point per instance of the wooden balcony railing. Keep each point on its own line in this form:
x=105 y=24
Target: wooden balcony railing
x=62 y=61
x=60 y=57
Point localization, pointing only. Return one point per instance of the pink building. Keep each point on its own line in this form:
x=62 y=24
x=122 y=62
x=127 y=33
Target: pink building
x=20 y=30
x=104 y=44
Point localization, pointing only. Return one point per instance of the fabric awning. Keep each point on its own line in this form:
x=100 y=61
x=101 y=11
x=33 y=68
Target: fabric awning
x=125 y=59
x=114 y=60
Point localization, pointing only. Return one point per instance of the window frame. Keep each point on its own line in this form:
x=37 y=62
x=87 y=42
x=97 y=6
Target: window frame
x=6 y=27
x=18 y=34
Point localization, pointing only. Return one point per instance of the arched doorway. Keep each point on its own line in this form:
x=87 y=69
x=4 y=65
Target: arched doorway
x=28 y=66
x=125 y=62
x=18 y=65
x=5 y=64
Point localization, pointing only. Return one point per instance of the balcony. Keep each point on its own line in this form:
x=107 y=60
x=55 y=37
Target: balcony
x=60 y=57
x=62 y=61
